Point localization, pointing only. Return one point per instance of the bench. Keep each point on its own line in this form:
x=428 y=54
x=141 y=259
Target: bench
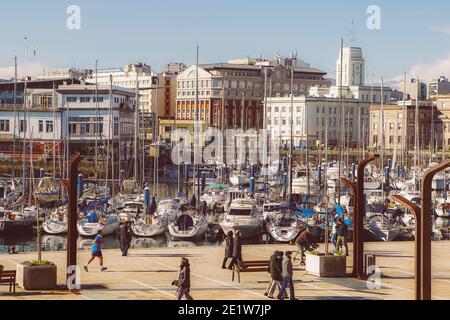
x=9 y=277
x=250 y=266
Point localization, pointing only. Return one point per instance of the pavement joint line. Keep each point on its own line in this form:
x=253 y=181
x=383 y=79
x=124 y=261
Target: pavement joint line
x=213 y=280
x=154 y=288
x=434 y=278
x=409 y=290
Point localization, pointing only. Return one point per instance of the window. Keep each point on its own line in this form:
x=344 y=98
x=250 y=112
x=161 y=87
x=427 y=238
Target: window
x=4 y=125
x=49 y=126
x=23 y=126
x=100 y=99
x=71 y=99
x=41 y=125
x=116 y=126
x=85 y=99
x=283 y=121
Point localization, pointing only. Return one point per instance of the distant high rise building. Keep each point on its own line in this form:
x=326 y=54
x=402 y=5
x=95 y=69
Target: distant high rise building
x=353 y=67
x=174 y=68
x=416 y=89
x=438 y=87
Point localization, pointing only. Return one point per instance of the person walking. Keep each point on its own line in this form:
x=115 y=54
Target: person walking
x=342 y=235
x=125 y=236
x=228 y=248
x=275 y=269
x=97 y=252
x=287 y=273
x=183 y=281
x=237 y=250
x=304 y=242
x=334 y=232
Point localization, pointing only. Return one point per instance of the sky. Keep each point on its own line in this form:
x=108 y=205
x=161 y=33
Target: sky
x=414 y=36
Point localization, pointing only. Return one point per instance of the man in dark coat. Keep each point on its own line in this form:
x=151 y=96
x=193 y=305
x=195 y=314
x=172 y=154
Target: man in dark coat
x=183 y=281
x=342 y=235
x=275 y=270
x=237 y=250
x=125 y=236
x=304 y=243
x=228 y=248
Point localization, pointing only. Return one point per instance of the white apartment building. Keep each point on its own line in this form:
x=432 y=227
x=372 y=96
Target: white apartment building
x=71 y=113
x=128 y=77
x=316 y=119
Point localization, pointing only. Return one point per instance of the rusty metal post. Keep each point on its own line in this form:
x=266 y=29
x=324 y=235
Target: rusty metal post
x=426 y=225
x=354 y=187
x=72 y=233
x=358 y=220
x=359 y=213
x=416 y=211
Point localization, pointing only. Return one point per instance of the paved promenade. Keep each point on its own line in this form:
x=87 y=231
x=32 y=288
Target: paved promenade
x=147 y=274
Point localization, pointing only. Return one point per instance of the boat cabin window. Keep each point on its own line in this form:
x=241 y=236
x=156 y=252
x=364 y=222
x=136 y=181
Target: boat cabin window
x=240 y=212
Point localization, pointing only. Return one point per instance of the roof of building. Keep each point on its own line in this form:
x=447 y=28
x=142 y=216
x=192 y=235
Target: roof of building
x=37 y=84
x=255 y=67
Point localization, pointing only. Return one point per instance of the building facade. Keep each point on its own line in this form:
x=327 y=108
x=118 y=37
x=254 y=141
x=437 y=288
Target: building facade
x=230 y=95
x=317 y=120
x=70 y=113
x=438 y=87
x=394 y=125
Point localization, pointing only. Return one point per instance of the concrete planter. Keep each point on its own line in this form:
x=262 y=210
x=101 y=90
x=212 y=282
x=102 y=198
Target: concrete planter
x=36 y=277
x=326 y=266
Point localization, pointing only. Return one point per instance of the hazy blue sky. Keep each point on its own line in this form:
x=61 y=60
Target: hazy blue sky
x=414 y=36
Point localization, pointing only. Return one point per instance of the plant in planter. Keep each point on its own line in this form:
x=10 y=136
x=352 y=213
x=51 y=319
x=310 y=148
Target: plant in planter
x=36 y=275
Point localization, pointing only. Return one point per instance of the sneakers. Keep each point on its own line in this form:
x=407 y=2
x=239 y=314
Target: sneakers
x=104 y=269
x=86 y=268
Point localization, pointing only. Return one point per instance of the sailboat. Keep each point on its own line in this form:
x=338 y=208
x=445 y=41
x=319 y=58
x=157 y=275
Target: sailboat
x=188 y=226
x=56 y=222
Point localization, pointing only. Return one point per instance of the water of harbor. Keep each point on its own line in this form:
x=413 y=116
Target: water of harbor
x=27 y=242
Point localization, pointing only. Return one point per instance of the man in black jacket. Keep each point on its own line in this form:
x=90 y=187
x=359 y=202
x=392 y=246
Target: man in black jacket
x=125 y=236
x=275 y=270
x=183 y=281
x=304 y=243
x=342 y=235
x=237 y=250
x=228 y=248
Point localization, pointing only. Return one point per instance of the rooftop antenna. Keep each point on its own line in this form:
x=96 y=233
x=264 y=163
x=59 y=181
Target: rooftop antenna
x=351 y=34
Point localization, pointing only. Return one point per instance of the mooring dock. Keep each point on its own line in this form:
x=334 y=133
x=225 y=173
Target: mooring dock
x=147 y=274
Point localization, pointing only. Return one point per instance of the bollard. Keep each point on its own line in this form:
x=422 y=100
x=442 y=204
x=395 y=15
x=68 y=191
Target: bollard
x=146 y=200
x=252 y=185
x=41 y=173
x=80 y=185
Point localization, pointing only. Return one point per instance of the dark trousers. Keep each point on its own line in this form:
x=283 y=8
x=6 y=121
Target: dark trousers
x=234 y=262
x=124 y=246
x=287 y=282
x=224 y=263
x=304 y=247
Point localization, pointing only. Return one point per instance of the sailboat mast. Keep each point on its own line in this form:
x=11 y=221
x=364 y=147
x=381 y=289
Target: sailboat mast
x=96 y=123
x=291 y=147
x=15 y=113
x=112 y=133
x=137 y=130
x=340 y=121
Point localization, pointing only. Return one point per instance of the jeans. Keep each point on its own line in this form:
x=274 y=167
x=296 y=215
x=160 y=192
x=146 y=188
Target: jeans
x=234 y=262
x=340 y=241
x=184 y=292
x=124 y=247
x=304 y=247
x=334 y=240
x=224 y=263
x=274 y=284
x=287 y=282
